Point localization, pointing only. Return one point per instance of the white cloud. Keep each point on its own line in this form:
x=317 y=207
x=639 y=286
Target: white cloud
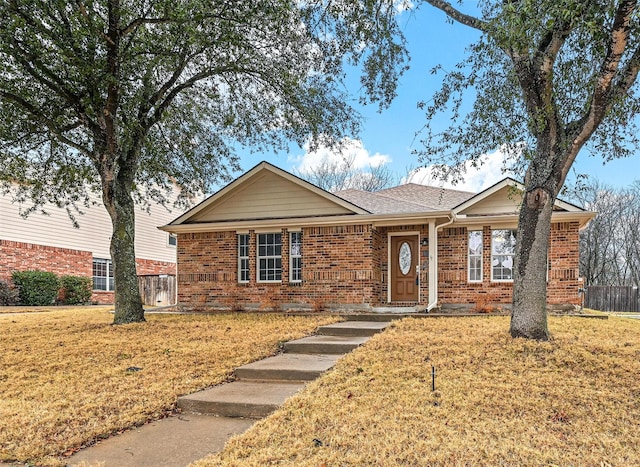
x=475 y=179
x=349 y=150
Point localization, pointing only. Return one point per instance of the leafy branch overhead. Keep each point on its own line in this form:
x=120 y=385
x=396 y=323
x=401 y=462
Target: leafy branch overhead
x=549 y=78
x=146 y=97
x=564 y=69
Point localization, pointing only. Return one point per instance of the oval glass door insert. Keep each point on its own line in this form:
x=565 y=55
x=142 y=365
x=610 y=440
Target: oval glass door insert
x=404 y=258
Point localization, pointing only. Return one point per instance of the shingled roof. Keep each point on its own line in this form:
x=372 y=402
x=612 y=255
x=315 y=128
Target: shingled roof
x=406 y=198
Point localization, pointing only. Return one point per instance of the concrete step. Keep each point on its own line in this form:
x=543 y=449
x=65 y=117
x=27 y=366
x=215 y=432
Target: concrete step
x=248 y=399
x=324 y=344
x=353 y=328
x=287 y=367
x=380 y=316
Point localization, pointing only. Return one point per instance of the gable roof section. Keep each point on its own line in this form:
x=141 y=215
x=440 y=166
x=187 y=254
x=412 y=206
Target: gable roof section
x=267 y=192
x=503 y=198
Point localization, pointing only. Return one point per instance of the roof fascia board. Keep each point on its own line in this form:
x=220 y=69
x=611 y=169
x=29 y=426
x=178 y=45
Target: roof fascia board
x=557 y=216
x=375 y=219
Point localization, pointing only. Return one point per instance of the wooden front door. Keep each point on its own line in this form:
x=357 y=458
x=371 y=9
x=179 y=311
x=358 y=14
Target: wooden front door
x=404 y=274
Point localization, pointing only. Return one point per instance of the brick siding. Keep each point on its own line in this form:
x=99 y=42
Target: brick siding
x=20 y=256
x=348 y=265
x=337 y=268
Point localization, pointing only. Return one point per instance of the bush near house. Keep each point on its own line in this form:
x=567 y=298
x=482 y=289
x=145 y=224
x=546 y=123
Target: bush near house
x=76 y=290
x=8 y=294
x=36 y=288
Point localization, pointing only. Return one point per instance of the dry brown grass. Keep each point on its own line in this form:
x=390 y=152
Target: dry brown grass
x=498 y=401
x=64 y=380
x=41 y=309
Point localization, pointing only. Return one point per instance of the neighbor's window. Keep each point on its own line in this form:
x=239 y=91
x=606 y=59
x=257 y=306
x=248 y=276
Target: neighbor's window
x=503 y=249
x=295 y=256
x=270 y=257
x=102 y=274
x=475 y=256
x=173 y=239
x=243 y=258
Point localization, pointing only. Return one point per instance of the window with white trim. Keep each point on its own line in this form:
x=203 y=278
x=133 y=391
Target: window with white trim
x=243 y=258
x=102 y=275
x=173 y=240
x=503 y=249
x=475 y=256
x=269 y=257
x=295 y=256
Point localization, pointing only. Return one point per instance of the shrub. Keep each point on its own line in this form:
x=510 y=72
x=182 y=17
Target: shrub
x=36 y=288
x=76 y=290
x=8 y=294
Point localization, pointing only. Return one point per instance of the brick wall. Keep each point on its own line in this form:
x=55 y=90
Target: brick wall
x=453 y=286
x=348 y=265
x=20 y=256
x=337 y=268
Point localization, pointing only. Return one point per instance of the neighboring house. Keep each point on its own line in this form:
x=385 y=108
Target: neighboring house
x=270 y=236
x=51 y=243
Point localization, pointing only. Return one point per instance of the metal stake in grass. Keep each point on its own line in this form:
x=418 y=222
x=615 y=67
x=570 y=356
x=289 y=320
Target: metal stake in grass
x=433 y=378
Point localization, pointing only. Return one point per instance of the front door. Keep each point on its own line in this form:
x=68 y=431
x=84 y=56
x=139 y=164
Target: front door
x=404 y=274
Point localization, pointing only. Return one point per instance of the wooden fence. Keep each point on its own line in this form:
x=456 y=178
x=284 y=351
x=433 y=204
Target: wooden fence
x=612 y=298
x=157 y=290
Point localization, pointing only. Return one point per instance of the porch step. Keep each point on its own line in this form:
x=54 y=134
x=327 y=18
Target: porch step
x=379 y=317
x=353 y=328
x=248 y=399
x=325 y=344
x=287 y=367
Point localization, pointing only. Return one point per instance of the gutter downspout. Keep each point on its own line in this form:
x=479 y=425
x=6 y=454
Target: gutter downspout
x=433 y=260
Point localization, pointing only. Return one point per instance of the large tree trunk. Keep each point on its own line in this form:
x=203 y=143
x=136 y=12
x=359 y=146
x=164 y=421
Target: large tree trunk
x=529 y=312
x=121 y=209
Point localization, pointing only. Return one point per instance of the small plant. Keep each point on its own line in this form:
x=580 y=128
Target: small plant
x=36 y=288
x=8 y=294
x=317 y=304
x=271 y=301
x=483 y=304
x=76 y=290
x=231 y=298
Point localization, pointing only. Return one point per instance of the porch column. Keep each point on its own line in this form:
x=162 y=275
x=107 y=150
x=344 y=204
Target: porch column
x=433 y=264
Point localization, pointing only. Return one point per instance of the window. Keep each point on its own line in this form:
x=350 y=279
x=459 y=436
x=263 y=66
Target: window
x=503 y=248
x=475 y=256
x=243 y=258
x=173 y=239
x=102 y=274
x=295 y=257
x=269 y=257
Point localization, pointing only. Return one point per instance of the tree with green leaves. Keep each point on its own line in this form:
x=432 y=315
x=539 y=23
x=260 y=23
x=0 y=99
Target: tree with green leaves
x=131 y=99
x=550 y=78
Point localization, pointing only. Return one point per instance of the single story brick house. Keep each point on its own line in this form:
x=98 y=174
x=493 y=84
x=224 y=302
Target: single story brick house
x=270 y=236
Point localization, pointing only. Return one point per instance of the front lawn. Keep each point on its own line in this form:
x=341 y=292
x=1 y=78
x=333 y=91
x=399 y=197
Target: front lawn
x=498 y=401
x=69 y=377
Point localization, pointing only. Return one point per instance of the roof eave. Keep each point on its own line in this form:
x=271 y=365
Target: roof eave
x=259 y=224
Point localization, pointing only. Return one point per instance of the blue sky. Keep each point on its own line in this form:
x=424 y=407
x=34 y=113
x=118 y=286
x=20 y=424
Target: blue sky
x=390 y=136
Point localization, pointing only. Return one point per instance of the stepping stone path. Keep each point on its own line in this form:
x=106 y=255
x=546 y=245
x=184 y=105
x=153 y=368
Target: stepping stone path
x=261 y=387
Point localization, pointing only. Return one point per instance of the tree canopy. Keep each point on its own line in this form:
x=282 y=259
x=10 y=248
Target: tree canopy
x=134 y=98
x=547 y=79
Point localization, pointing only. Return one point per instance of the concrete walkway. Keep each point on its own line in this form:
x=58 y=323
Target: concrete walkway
x=209 y=418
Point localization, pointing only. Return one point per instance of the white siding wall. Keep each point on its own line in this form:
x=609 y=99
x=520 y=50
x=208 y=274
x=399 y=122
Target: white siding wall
x=94 y=233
